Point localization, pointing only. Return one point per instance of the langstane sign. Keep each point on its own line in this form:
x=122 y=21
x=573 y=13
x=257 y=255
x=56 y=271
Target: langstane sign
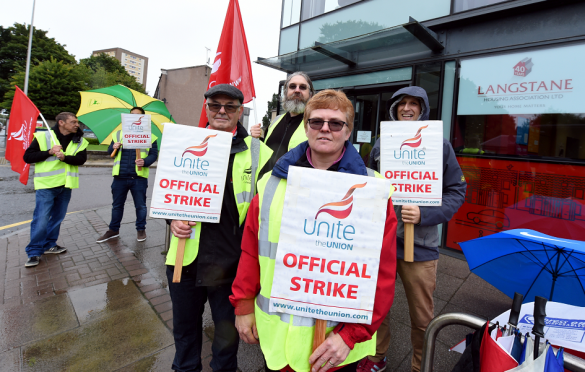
x=534 y=82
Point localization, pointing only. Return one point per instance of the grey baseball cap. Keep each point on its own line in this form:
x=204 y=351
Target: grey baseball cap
x=225 y=89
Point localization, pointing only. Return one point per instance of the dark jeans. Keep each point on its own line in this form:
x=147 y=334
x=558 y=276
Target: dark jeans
x=50 y=209
x=137 y=187
x=188 y=304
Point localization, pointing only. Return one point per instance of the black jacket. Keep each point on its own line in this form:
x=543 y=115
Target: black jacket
x=34 y=154
x=128 y=160
x=219 y=243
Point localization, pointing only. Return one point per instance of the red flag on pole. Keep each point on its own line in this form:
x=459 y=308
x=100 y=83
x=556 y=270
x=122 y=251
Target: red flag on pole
x=232 y=59
x=23 y=120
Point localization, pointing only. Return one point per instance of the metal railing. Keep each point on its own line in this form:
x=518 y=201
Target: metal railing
x=572 y=362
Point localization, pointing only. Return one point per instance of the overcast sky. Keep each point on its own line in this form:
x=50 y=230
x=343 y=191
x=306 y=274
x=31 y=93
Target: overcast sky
x=171 y=33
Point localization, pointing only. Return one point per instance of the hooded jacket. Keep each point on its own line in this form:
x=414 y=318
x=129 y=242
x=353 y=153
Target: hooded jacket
x=426 y=233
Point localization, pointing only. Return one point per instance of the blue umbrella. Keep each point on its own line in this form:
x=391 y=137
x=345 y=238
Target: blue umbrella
x=530 y=263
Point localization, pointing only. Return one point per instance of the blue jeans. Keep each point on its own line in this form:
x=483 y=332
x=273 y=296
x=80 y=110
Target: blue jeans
x=188 y=304
x=137 y=187
x=50 y=210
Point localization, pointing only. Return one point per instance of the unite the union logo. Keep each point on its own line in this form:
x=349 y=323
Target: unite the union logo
x=200 y=149
x=414 y=141
x=341 y=209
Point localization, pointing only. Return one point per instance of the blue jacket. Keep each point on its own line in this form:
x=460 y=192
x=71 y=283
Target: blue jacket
x=351 y=162
x=128 y=160
x=426 y=234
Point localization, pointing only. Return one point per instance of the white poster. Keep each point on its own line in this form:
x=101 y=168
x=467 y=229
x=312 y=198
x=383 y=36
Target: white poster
x=191 y=174
x=136 y=131
x=329 y=247
x=412 y=159
x=543 y=81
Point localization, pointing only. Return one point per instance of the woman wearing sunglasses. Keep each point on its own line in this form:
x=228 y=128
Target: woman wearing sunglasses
x=286 y=341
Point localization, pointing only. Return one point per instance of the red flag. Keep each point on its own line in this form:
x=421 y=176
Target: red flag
x=23 y=120
x=232 y=60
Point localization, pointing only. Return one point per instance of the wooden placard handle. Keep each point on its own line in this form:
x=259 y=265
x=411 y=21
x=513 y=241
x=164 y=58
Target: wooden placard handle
x=179 y=258
x=409 y=242
x=114 y=153
x=138 y=157
x=319 y=336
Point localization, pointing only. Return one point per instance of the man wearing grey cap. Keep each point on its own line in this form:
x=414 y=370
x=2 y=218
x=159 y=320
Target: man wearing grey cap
x=208 y=273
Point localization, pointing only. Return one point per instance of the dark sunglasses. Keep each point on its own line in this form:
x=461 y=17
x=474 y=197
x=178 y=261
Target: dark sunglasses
x=301 y=87
x=334 y=125
x=230 y=109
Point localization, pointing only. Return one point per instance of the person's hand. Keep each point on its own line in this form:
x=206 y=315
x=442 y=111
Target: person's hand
x=329 y=354
x=180 y=230
x=60 y=155
x=246 y=326
x=55 y=149
x=140 y=162
x=256 y=131
x=117 y=145
x=410 y=214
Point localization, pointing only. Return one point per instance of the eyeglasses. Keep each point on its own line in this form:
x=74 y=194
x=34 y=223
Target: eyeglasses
x=294 y=86
x=230 y=109
x=334 y=125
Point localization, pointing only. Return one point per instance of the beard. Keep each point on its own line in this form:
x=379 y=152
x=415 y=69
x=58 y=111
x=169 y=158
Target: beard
x=294 y=105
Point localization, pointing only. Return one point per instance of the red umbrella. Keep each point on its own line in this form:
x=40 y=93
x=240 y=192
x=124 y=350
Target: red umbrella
x=492 y=357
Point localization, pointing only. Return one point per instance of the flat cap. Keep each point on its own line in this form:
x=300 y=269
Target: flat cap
x=225 y=89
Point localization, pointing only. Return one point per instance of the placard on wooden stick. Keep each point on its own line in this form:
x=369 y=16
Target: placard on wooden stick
x=329 y=248
x=412 y=159
x=136 y=133
x=190 y=177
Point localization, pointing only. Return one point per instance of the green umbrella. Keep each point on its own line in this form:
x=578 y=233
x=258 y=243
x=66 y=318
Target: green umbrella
x=100 y=110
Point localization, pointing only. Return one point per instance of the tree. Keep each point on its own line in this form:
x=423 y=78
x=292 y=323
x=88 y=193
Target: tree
x=107 y=71
x=13 y=50
x=53 y=86
x=272 y=105
x=345 y=29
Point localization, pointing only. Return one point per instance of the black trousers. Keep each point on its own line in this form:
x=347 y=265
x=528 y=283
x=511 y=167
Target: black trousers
x=188 y=305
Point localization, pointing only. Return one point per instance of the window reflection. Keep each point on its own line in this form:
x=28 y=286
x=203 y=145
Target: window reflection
x=559 y=136
x=291 y=11
x=313 y=8
x=462 y=5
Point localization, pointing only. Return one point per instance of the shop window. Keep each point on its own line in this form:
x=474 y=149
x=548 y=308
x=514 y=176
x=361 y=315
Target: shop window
x=428 y=77
x=463 y=5
x=525 y=104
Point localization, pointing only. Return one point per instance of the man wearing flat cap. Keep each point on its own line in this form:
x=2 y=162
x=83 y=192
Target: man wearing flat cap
x=212 y=252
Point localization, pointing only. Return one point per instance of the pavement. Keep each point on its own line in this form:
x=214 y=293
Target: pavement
x=106 y=307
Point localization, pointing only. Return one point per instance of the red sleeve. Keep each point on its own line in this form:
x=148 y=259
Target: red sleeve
x=247 y=283
x=353 y=333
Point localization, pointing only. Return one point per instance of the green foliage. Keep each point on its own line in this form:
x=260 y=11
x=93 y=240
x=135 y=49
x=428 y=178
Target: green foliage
x=53 y=86
x=13 y=49
x=345 y=29
x=102 y=60
x=271 y=106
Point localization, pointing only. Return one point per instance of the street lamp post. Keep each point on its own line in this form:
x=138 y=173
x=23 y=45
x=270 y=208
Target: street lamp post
x=30 y=38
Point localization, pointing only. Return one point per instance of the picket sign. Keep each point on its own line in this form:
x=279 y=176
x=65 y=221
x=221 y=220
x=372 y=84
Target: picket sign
x=329 y=246
x=136 y=133
x=190 y=177
x=412 y=159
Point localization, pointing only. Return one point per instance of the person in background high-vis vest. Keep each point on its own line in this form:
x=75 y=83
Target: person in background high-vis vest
x=127 y=177
x=287 y=130
x=213 y=250
x=286 y=340
x=56 y=174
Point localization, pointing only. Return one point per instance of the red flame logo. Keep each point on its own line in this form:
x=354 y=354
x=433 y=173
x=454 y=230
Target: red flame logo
x=343 y=207
x=138 y=122
x=201 y=149
x=414 y=141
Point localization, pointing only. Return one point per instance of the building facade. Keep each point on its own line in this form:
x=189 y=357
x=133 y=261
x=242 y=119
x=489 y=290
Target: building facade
x=504 y=76
x=135 y=64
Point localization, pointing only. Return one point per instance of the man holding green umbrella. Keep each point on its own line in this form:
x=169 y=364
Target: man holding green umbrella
x=130 y=174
